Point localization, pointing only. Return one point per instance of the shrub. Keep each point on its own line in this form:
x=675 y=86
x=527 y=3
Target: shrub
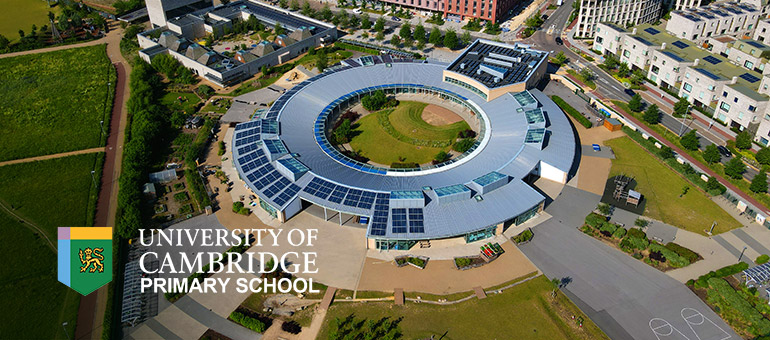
x=416 y=261
x=673 y=258
x=608 y=228
x=464 y=145
x=524 y=236
x=595 y=220
x=291 y=327
x=248 y=322
x=604 y=209
x=374 y=101
x=467 y=133
x=730 y=302
x=462 y=261
x=762 y=259
x=402 y=165
x=637 y=233
x=702 y=281
x=181 y=197
x=683 y=252
x=619 y=233
x=221 y=150
x=657 y=256
x=237 y=206
x=635 y=242
x=572 y=112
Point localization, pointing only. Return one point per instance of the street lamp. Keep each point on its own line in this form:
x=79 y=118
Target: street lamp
x=93 y=178
x=684 y=119
x=742 y=251
x=65 y=330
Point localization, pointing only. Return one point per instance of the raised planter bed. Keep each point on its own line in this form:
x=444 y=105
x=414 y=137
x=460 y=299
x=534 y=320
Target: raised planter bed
x=416 y=261
x=524 y=237
x=469 y=262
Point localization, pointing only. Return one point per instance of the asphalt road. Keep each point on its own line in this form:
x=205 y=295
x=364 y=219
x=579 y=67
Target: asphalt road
x=625 y=297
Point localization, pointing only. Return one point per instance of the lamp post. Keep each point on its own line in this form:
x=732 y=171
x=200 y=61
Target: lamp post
x=93 y=178
x=65 y=330
x=742 y=251
x=684 y=120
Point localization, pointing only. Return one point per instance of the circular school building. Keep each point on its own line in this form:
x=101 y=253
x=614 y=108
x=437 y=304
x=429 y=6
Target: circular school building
x=381 y=169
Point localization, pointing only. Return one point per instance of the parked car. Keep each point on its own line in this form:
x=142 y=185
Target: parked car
x=357 y=11
x=559 y=41
x=395 y=18
x=724 y=151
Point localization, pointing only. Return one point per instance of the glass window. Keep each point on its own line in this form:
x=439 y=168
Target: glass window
x=725 y=106
x=687 y=87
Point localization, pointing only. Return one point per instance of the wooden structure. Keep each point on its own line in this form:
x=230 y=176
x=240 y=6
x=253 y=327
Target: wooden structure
x=612 y=124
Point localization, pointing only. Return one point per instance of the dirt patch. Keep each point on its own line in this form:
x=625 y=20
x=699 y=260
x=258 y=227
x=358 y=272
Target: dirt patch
x=437 y=116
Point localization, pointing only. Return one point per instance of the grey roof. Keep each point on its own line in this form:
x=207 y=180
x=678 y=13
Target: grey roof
x=163 y=176
x=350 y=190
x=497 y=64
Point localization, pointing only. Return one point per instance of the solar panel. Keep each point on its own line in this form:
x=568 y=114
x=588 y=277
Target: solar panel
x=351 y=200
x=380 y=217
x=708 y=73
x=416 y=221
x=756 y=44
x=338 y=194
x=367 y=199
x=674 y=56
x=398 y=216
x=749 y=78
x=680 y=44
x=651 y=30
x=274 y=189
x=286 y=195
x=712 y=60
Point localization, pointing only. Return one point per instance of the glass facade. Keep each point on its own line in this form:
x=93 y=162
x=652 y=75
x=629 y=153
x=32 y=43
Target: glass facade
x=480 y=235
x=527 y=215
x=394 y=244
x=465 y=85
x=269 y=208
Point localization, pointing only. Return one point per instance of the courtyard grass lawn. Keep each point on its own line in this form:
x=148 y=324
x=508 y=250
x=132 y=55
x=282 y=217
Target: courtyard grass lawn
x=376 y=144
x=407 y=119
x=21 y=14
x=526 y=311
x=189 y=100
x=53 y=193
x=662 y=186
x=35 y=304
x=53 y=102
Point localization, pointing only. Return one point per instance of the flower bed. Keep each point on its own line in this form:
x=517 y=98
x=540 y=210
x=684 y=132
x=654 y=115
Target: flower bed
x=524 y=237
x=415 y=261
x=469 y=262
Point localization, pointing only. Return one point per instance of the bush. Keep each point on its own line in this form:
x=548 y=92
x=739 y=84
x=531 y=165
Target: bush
x=181 y=197
x=619 y=233
x=221 y=150
x=404 y=165
x=462 y=262
x=762 y=259
x=638 y=233
x=416 y=261
x=723 y=295
x=673 y=258
x=237 y=206
x=572 y=112
x=595 y=220
x=374 y=101
x=702 y=281
x=634 y=242
x=524 y=236
x=608 y=228
x=683 y=252
x=248 y=322
x=291 y=327
x=464 y=145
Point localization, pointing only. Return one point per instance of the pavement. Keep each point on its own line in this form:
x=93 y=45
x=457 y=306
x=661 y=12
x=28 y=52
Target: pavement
x=625 y=297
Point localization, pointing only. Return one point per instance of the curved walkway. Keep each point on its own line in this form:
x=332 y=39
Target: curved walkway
x=60 y=47
x=30 y=225
x=57 y=155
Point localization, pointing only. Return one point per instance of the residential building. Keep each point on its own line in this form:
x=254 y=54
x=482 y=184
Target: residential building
x=726 y=81
x=620 y=12
x=182 y=37
x=727 y=18
x=762 y=32
x=487 y=10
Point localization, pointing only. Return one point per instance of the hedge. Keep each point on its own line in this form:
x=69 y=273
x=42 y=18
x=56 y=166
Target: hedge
x=572 y=112
x=634 y=242
x=595 y=220
x=762 y=259
x=702 y=281
x=608 y=227
x=524 y=236
x=731 y=303
x=683 y=252
x=638 y=233
x=248 y=322
x=673 y=258
x=619 y=233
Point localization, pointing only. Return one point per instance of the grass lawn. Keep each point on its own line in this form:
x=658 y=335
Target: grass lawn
x=372 y=137
x=54 y=101
x=188 y=101
x=53 y=193
x=35 y=303
x=21 y=14
x=662 y=186
x=407 y=119
x=526 y=311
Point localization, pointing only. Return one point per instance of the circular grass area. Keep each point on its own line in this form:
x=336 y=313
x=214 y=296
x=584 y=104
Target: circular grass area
x=400 y=135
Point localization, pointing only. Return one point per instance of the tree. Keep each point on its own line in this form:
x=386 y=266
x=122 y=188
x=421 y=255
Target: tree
x=21 y=34
x=4 y=42
x=374 y=101
x=635 y=104
x=294 y=5
x=353 y=22
x=450 y=39
x=743 y=141
x=735 y=168
x=326 y=13
x=419 y=33
x=555 y=285
x=380 y=36
x=342 y=133
x=763 y=155
x=435 y=36
x=711 y=154
x=652 y=114
x=278 y=29
x=713 y=186
x=395 y=40
x=366 y=23
x=690 y=141
x=420 y=45
x=321 y=61
x=307 y=10
x=681 y=108
x=623 y=70
x=284 y=4
x=441 y=157
x=610 y=62
x=405 y=31
x=560 y=58
x=466 y=37
x=379 y=26
x=586 y=75
x=759 y=182
x=665 y=152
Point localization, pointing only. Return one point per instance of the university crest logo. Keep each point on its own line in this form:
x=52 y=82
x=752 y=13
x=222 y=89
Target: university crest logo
x=85 y=258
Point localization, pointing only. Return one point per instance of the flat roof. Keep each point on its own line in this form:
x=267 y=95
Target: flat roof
x=497 y=64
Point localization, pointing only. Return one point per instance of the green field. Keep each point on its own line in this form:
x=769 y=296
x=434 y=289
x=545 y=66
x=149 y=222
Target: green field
x=53 y=102
x=662 y=186
x=188 y=102
x=407 y=121
x=526 y=311
x=21 y=14
x=50 y=194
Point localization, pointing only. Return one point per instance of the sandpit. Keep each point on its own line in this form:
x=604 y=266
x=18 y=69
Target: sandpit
x=437 y=115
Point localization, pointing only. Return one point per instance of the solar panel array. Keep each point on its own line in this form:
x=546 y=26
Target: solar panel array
x=643 y=41
x=398 y=221
x=749 y=78
x=401 y=218
x=713 y=60
x=416 y=220
x=756 y=44
x=708 y=73
x=286 y=195
x=759 y=273
x=483 y=53
x=680 y=44
x=651 y=30
x=674 y=56
x=380 y=216
x=339 y=194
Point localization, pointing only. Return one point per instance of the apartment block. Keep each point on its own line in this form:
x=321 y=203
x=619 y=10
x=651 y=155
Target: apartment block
x=488 y=10
x=729 y=18
x=620 y=12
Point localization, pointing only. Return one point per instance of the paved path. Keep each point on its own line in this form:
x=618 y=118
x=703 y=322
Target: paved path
x=622 y=295
x=60 y=47
x=30 y=225
x=58 y=155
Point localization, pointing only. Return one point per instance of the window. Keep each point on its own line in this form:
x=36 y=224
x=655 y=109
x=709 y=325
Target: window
x=724 y=106
x=687 y=75
x=711 y=87
x=740 y=115
x=655 y=69
x=626 y=54
x=687 y=87
x=724 y=94
x=748 y=64
x=735 y=99
x=752 y=108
